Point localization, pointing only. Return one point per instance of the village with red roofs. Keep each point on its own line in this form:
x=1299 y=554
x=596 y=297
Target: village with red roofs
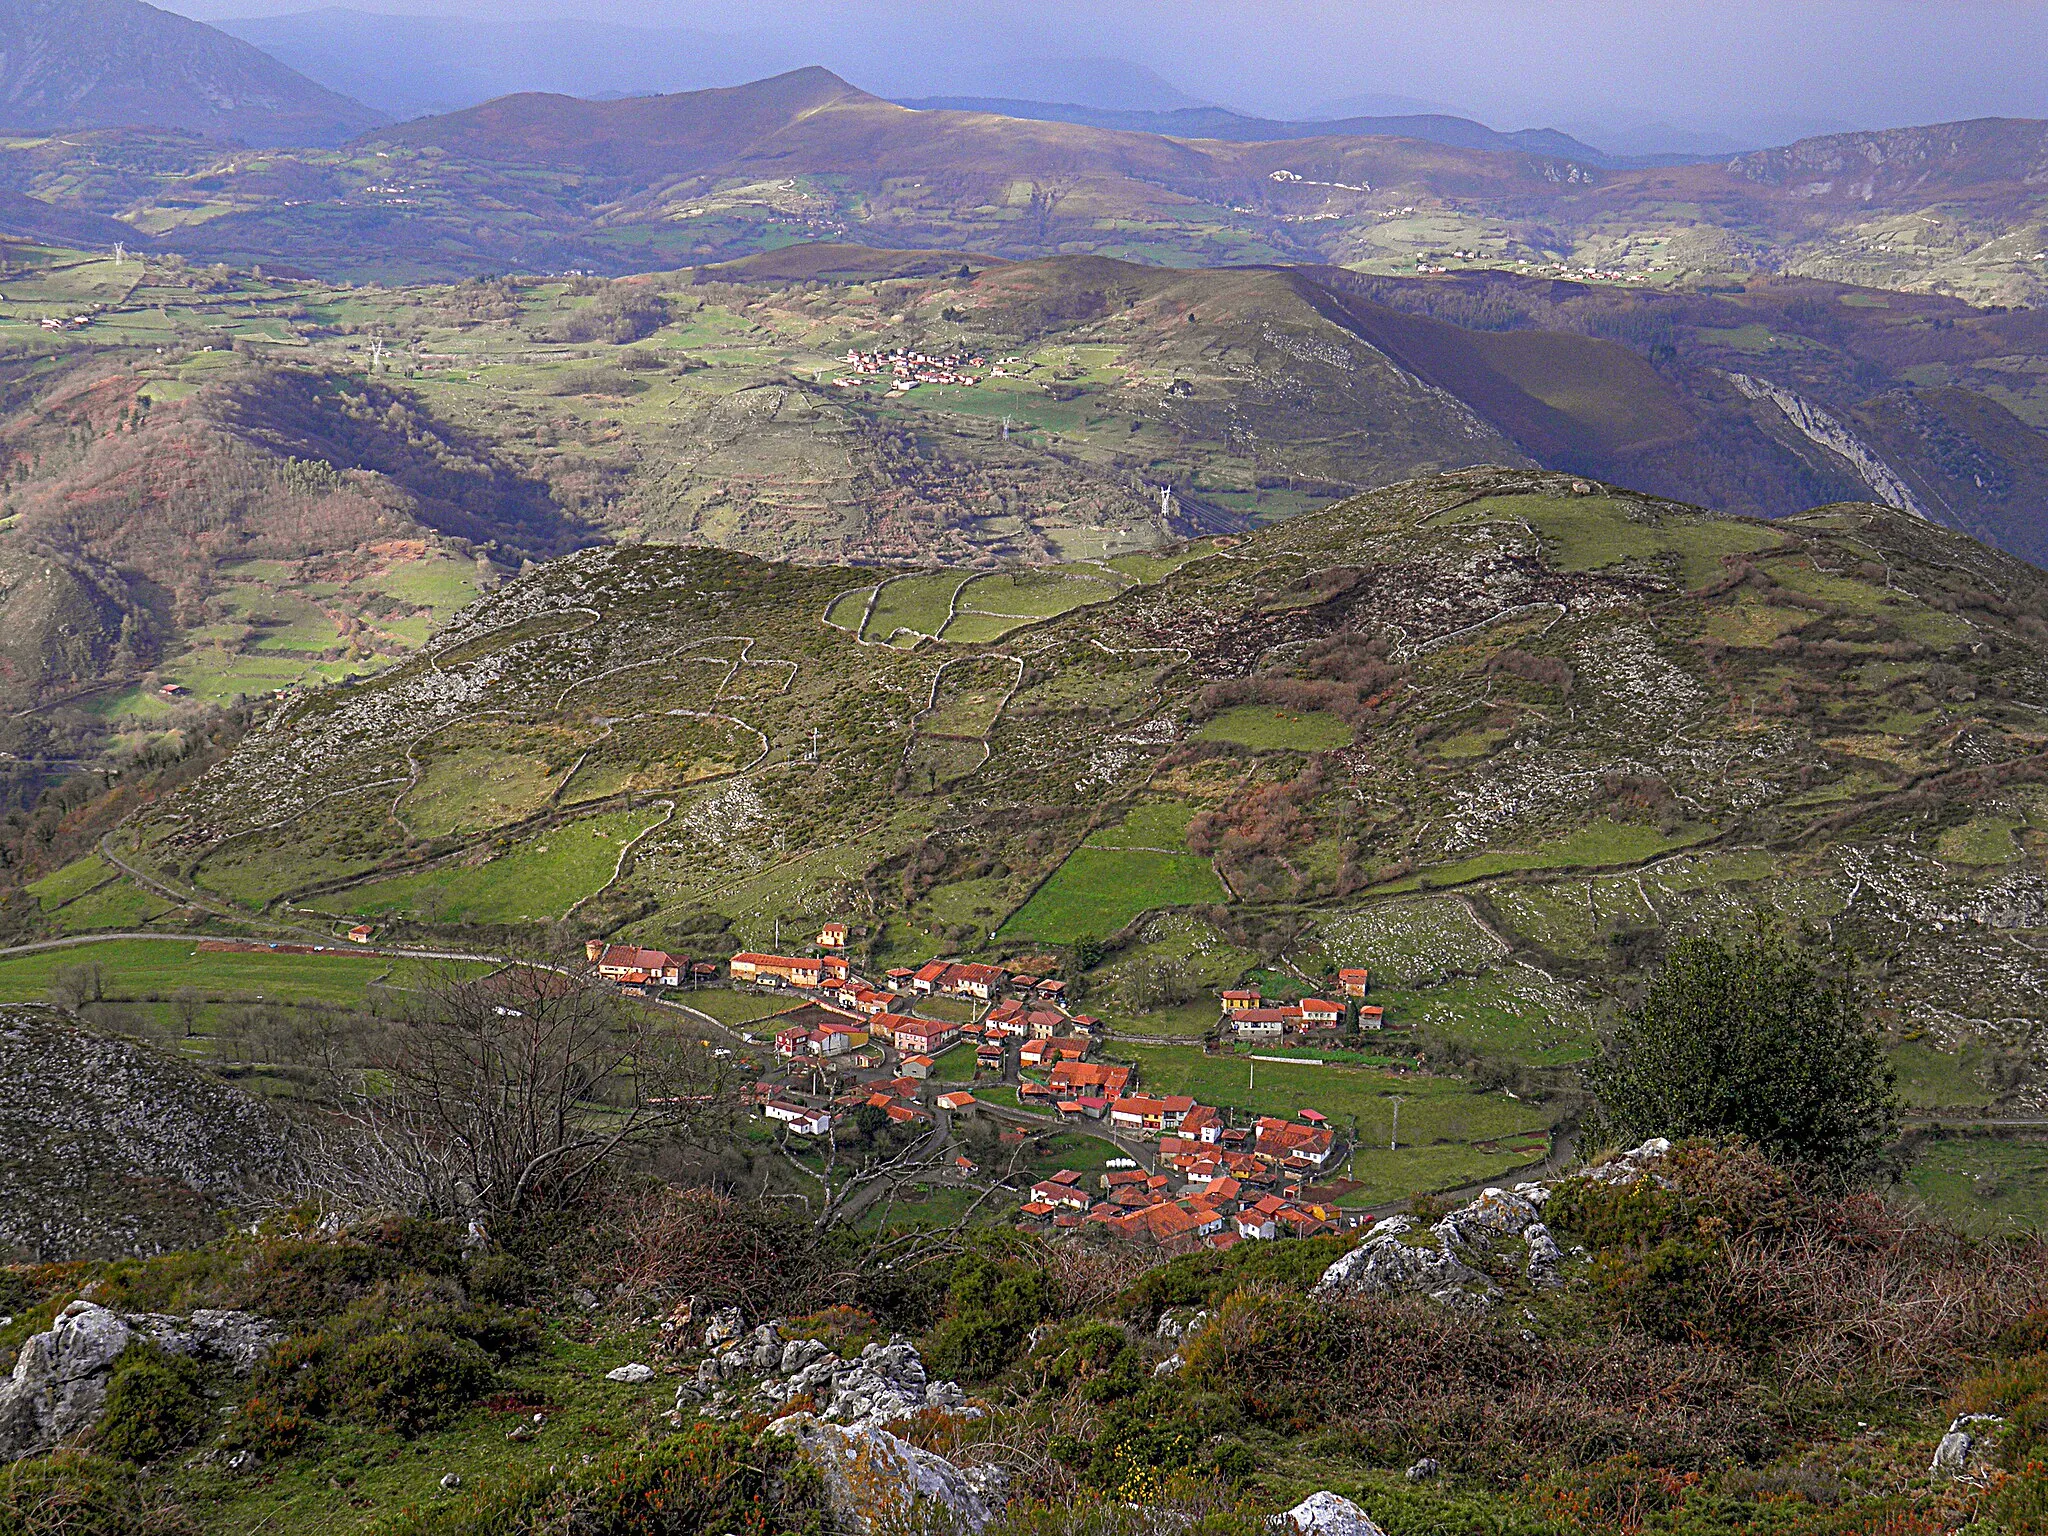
x=1182 y=1175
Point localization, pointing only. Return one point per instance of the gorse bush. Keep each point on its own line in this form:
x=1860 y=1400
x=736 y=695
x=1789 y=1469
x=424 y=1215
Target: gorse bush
x=154 y=1405
x=991 y=1308
x=408 y=1357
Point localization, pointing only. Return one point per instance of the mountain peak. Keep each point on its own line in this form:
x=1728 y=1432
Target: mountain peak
x=68 y=64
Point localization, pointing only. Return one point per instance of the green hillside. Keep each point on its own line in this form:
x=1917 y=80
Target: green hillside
x=1495 y=739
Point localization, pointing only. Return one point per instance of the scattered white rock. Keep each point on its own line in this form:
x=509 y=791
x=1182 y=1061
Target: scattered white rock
x=725 y=1325
x=1396 y=1260
x=450 y=1481
x=1170 y=1366
x=1329 y=1514
x=876 y=1482
x=1424 y=1469
x=1952 y=1456
x=59 y=1382
x=886 y=1383
x=633 y=1374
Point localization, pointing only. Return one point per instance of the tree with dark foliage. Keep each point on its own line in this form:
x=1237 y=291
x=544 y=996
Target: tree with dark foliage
x=1756 y=1039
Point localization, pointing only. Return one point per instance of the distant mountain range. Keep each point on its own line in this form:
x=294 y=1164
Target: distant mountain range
x=68 y=64
x=1238 y=127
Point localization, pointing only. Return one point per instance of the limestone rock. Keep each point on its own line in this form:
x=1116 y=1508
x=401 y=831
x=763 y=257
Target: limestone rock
x=59 y=1382
x=725 y=1326
x=1395 y=1260
x=1952 y=1456
x=1424 y=1469
x=1386 y=1265
x=632 y=1374
x=1328 y=1514
x=876 y=1482
x=1494 y=1215
x=1545 y=1264
x=239 y=1340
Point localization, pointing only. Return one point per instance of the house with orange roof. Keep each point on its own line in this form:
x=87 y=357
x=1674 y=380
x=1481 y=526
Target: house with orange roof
x=640 y=967
x=832 y=936
x=1316 y=1013
x=917 y=1066
x=776 y=970
x=924 y=1037
x=1294 y=1144
x=1109 y=1079
x=1238 y=999
x=1264 y=1023
x=1353 y=981
x=957 y=1103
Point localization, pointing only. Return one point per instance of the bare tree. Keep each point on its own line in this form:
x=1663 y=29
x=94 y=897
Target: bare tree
x=515 y=1091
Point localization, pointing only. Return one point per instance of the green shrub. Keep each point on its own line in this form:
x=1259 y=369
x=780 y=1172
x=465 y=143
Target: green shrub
x=1204 y=1279
x=708 y=1479
x=499 y=1279
x=1098 y=1358
x=153 y=1405
x=409 y=1380
x=271 y=1431
x=74 y=1493
x=991 y=1307
x=416 y=1242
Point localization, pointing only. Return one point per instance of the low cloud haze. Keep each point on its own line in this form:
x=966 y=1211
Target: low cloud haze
x=1631 y=76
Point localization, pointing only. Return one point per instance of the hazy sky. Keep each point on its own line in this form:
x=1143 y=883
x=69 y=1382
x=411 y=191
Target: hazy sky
x=1748 y=70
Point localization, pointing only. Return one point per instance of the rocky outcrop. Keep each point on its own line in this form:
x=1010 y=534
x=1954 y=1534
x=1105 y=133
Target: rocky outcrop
x=1817 y=426
x=59 y=1382
x=877 y=1482
x=118 y=1149
x=1326 y=1514
x=885 y=1384
x=1446 y=1261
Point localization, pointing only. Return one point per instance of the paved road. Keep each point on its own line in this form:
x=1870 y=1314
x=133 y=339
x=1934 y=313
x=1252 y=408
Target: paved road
x=258 y=946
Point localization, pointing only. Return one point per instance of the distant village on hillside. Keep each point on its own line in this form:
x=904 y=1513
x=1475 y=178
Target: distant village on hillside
x=1187 y=1176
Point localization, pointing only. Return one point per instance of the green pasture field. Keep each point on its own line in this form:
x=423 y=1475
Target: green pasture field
x=738 y=1009
x=977 y=628
x=121 y=905
x=1158 y=824
x=1098 y=890
x=1985 y=1184
x=1036 y=594
x=917 y=603
x=955 y=1064
x=1936 y=1079
x=1389 y=1176
x=1590 y=533
x=71 y=882
x=1435 y=1109
x=846 y=609
x=475 y=789
x=155 y=968
x=1599 y=843
x=1513 y=1014
x=538 y=881
x=1265 y=728
x=1155 y=567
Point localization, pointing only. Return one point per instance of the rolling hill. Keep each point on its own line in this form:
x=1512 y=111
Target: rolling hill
x=1497 y=732
x=541 y=182
x=120 y=63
